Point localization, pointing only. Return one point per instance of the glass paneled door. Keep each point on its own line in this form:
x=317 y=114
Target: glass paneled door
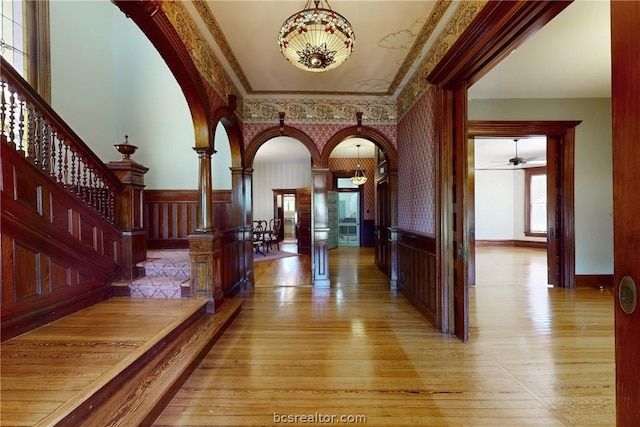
x=348 y=219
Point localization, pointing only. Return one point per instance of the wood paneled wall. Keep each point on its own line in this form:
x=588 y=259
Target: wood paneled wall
x=58 y=255
x=417 y=272
x=170 y=216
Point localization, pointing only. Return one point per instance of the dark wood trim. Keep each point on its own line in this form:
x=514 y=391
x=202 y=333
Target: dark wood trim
x=513 y=243
x=276 y=131
x=499 y=28
x=594 y=280
x=528 y=172
x=562 y=134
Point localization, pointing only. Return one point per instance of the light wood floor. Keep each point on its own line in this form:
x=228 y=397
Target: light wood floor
x=537 y=356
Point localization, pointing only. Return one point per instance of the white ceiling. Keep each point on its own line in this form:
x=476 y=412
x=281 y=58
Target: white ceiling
x=494 y=153
x=569 y=57
x=385 y=32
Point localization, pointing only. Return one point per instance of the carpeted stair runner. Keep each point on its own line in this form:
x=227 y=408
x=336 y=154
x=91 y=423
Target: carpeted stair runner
x=165 y=273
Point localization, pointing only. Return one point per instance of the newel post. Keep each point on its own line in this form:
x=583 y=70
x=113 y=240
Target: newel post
x=204 y=244
x=129 y=209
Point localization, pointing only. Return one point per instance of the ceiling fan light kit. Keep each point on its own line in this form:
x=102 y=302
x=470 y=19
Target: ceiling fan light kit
x=316 y=39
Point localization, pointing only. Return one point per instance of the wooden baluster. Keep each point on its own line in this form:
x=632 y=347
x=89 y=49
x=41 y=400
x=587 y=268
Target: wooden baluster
x=53 y=153
x=73 y=183
x=65 y=167
x=112 y=208
x=31 y=126
x=104 y=200
x=3 y=107
x=61 y=162
x=12 y=117
x=21 y=127
x=92 y=189
x=84 y=182
x=44 y=152
x=37 y=140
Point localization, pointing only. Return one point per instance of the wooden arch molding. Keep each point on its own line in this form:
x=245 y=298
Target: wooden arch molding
x=274 y=132
x=361 y=132
x=226 y=115
x=159 y=30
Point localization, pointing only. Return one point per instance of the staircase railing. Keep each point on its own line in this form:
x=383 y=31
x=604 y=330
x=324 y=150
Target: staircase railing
x=29 y=125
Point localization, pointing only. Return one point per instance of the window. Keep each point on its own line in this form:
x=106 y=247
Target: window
x=24 y=41
x=535 y=201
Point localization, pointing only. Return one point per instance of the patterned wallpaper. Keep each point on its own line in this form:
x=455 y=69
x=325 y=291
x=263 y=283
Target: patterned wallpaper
x=417 y=168
x=342 y=164
x=320 y=133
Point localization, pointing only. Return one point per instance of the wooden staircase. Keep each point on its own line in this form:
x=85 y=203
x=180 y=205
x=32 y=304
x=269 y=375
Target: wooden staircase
x=116 y=363
x=165 y=274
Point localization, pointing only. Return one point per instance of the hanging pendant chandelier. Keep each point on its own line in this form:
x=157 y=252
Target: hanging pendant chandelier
x=316 y=39
x=358 y=177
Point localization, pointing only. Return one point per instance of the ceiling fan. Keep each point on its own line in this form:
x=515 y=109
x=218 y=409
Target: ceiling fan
x=516 y=161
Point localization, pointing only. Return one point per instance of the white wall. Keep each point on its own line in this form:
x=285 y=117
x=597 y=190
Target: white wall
x=494 y=206
x=593 y=168
x=83 y=81
x=221 y=160
x=267 y=176
x=108 y=80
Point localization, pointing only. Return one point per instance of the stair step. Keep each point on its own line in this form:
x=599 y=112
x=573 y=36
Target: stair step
x=96 y=388
x=152 y=384
x=157 y=287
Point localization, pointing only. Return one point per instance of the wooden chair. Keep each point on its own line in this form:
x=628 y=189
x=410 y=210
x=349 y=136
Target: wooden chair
x=259 y=230
x=274 y=232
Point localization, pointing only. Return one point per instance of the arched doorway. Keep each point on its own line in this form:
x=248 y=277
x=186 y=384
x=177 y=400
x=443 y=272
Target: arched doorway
x=384 y=190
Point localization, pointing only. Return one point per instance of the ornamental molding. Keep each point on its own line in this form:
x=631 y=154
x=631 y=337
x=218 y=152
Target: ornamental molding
x=205 y=61
x=380 y=110
x=413 y=91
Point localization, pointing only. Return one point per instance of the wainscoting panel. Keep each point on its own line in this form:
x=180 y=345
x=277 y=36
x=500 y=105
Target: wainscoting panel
x=58 y=255
x=417 y=272
x=169 y=217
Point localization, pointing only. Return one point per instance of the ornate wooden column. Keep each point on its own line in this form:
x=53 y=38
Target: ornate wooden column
x=204 y=244
x=128 y=209
x=247 y=178
x=320 y=253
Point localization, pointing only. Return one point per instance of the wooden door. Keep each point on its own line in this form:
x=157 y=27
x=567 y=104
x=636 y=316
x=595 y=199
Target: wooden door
x=303 y=225
x=462 y=231
x=554 y=225
x=383 y=223
x=471 y=212
x=625 y=93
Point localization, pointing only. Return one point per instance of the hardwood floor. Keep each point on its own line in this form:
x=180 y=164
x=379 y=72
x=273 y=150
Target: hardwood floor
x=537 y=356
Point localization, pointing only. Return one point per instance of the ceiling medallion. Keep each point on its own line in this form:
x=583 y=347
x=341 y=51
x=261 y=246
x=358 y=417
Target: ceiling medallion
x=316 y=39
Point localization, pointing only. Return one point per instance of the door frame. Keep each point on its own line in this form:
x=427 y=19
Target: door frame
x=281 y=192
x=561 y=140
x=498 y=29
x=348 y=174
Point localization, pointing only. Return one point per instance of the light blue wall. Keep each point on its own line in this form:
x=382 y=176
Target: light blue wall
x=108 y=80
x=593 y=167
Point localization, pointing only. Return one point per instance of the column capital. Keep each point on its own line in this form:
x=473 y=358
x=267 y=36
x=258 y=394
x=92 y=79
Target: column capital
x=204 y=151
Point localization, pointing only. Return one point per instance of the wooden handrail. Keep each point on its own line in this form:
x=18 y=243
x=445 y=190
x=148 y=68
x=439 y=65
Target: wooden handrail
x=29 y=125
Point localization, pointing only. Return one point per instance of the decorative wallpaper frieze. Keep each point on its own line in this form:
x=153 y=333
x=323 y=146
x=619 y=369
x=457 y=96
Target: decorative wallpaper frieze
x=420 y=40
x=418 y=85
x=210 y=69
x=380 y=110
